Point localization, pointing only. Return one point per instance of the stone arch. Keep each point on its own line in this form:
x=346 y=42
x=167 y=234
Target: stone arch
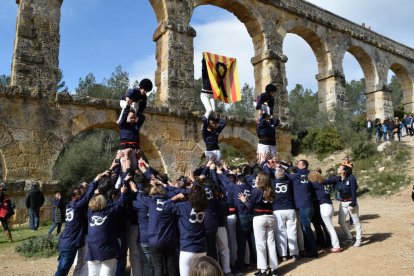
x=367 y=65
x=241 y=10
x=406 y=82
x=238 y=137
x=314 y=40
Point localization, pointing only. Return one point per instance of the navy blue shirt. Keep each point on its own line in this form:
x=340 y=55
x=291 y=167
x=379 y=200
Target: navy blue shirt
x=191 y=226
x=266 y=131
x=130 y=132
x=258 y=203
x=302 y=188
x=265 y=98
x=284 y=194
x=162 y=224
x=235 y=189
x=322 y=193
x=141 y=205
x=73 y=234
x=211 y=137
x=135 y=95
x=102 y=239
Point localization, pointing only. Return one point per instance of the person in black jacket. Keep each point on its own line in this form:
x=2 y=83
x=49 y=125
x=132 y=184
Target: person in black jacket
x=34 y=201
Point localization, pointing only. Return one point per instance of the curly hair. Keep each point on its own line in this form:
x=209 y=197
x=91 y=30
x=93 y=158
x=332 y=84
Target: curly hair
x=263 y=183
x=198 y=198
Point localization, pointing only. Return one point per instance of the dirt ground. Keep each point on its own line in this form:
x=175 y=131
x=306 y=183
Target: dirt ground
x=387 y=245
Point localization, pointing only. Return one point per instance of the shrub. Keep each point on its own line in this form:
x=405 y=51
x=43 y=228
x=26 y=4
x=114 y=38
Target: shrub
x=41 y=246
x=363 y=149
x=327 y=141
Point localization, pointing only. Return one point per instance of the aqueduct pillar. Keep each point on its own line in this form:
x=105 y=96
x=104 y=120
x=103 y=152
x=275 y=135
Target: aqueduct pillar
x=174 y=76
x=35 y=64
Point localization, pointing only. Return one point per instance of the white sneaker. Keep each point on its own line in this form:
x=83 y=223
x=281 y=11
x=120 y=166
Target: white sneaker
x=357 y=244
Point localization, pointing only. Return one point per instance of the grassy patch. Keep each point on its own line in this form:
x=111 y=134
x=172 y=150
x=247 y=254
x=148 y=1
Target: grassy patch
x=21 y=234
x=383 y=173
x=41 y=246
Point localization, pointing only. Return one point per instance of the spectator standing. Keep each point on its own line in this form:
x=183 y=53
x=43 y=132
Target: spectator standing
x=58 y=212
x=5 y=211
x=369 y=127
x=35 y=199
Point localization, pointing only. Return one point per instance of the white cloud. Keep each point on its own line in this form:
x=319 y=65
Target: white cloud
x=143 y=68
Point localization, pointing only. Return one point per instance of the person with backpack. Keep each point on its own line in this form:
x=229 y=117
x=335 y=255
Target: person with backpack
x=6 y=211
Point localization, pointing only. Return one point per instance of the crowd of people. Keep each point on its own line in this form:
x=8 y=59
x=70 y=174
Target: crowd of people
x=214 y=218
x=390 y=128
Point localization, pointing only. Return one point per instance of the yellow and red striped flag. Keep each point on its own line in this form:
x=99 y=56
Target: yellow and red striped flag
x=223 y=76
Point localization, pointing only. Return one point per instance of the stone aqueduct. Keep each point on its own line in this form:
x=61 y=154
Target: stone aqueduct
x=36 y=122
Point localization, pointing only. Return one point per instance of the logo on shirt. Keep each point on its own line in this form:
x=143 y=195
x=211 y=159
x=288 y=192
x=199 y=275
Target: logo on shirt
x=303 y=179
x=209 y=194
x=160 y=204
x=196 y=217
x=70 y=213
x=281 y=188
x=97 y=220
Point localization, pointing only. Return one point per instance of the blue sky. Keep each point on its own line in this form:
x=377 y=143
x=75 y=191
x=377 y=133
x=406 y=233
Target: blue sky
x=98 y=35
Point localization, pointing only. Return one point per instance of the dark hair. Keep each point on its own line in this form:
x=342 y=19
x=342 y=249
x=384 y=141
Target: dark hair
x=305 y=162
x=270 y=88
x=198 y=198
x=263 y=183
x=257 y=170
x=241 y=178
x=347 y=170
x=146 y=84
x=105 y=187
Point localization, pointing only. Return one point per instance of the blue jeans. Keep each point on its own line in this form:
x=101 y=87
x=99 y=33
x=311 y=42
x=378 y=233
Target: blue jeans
x=34 y=218
x=244 y=232
x=146 y=260
x=306 y=215
x=66 y=258
x=54 y=225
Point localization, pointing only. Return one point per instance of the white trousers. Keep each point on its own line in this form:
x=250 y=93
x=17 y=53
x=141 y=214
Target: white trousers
x=80 y=266
x=327 y=211
x=286 y=234
x=102 y=268
x=231 y=232
x=213 y=153
x=299 y=231
x=223 y=249
x=343 y=212
x=134 y=254
x=261 y=148
x=186 y=258
x=264 y=228
x=208 y=102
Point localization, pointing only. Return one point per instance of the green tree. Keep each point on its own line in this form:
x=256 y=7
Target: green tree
x=303 y=108
x=118 y=83
x=88 y=87
x=244 y=108
x=61 y=85
x=355 y=96
x=396 y=93
x=4 y=80
x=86 y=155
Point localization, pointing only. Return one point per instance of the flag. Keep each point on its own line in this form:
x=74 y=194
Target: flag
x=223 y=76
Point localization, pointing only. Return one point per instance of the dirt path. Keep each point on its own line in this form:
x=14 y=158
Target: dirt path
x=387 y=247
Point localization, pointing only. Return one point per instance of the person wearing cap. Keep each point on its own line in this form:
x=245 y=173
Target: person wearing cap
x=5 y=204
x=266 y=101
x=136 y=97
